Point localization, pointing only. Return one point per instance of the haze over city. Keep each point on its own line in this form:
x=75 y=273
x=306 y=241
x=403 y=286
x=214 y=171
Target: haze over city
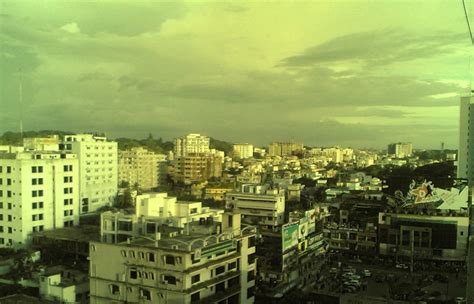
x=359 y=73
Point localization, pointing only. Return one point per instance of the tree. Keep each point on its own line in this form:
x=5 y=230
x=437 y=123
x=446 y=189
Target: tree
x=124 y=200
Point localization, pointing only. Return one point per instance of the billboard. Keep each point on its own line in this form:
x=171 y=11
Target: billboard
x=289 y=236
x=311 y=215
x=303 y=228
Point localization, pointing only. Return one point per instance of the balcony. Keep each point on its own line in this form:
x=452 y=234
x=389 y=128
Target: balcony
x=219 y=296
x=214 y=281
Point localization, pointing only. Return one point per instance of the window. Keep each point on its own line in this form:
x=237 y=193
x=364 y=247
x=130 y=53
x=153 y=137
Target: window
x=170 y=279
x=193 y=259
x=9 y=193
x=250 y=292
x=9 y=169
x=9 y=181
x=170 y=260
x=145 y=294
x=40 y=205
x=220 y=270
x=232 y=265
x=10 y=218
x=252 y=258
x=67 y=168
x=10 y=230
x=193 y=210
x=114 y=289
x=9 y=205
x=1 y=217
x=195 y=297
x=1 y=229
x=133 y=273
x=151 y=257
x=250 y=276
x=195 y=278
x=34 y=206
x=251 y=241
x=151 y=275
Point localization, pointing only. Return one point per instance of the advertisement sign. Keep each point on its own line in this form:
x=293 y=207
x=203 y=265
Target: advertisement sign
x=303 y=229
x=289 y=236
x=311 y=215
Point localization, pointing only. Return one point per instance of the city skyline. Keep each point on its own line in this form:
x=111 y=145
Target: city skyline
x=350 y=73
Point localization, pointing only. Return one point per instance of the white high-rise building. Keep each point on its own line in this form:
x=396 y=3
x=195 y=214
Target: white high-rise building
x=191 y=143
x=243 y=150
x=39 y=190
x=97 y=169
x=466 y=140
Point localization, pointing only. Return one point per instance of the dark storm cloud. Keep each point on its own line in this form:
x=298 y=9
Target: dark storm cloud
x=378 y=48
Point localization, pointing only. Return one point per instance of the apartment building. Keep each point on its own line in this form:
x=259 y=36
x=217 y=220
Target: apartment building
x=191 y=144
x=243 y=150
x=39 y=190
x=151 y=211
x=142 y=167
x=284 y=148
x=97 y=169
x=259 y=205
x=206 y=261
x=195 y=168
x=400 y=150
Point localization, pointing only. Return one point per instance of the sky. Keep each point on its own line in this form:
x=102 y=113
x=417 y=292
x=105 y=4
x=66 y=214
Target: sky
x=350 y=73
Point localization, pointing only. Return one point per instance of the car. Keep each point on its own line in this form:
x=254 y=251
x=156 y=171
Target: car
x=350 y=288
x=353 y=282
x=367 y=273
x=333 y=270
x=401 y=266
x=460 y=300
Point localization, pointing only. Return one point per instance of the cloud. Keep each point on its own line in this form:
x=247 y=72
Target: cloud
x=378 y=48
x=72 y=28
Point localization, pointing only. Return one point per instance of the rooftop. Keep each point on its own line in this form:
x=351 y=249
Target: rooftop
x=77 y=233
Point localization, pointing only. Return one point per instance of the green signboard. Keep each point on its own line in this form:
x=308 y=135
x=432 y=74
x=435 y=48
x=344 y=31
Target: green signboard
x=289 y=236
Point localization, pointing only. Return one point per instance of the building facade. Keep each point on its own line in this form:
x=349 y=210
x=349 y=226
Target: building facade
x=243 y=150
x=191 y=144
x=284 y=148
x=141 y=167
x=205 y=260
x=97 y=169
x=195 y=168
x=39 y=190
x=400 y=150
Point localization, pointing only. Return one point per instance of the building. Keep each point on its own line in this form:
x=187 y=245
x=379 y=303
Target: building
x=97 y=169
x=466 y=141
x=400 y=150
x=216 y=193
x=243 y=150
x=195 y=168
x=39 y=190
x=64 y=285
x=206 y=261
x=151 y=211
x=50 y=143
x=284 y=148
x=259 y=205
x=141 y=167
x=434 y=235
x=191 y=144
x=352 y=239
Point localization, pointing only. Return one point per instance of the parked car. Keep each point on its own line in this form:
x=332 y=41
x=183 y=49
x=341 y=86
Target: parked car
x=401 y=266
x=367 y=273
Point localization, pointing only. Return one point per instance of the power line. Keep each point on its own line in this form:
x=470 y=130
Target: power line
x=468 y=22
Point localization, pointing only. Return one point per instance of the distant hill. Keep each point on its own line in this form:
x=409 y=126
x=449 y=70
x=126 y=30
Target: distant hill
x=221 y=145
x=14 y=138
x=156 y=145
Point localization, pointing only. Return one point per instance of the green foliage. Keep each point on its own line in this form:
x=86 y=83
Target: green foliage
x=124 y=201
x=155 y=145
x=14 y=138
x=306 y=181
x=221 y=145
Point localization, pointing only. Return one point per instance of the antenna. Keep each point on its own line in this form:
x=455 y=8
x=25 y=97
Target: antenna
x=20 y=97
